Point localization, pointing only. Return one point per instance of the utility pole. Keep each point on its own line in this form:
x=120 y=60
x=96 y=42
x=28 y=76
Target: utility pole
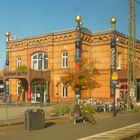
x=131 y=96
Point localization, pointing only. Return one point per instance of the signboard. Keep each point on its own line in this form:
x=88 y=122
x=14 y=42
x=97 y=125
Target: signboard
x=114 y=83
x=132 y=92
x=114 y=76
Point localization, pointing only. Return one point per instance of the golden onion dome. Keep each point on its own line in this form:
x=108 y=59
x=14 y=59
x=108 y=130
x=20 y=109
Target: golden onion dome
x=113 y=20
x=78 y=19
x=7 y=34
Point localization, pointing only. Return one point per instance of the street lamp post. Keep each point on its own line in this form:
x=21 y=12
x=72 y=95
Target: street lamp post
x=114 y=76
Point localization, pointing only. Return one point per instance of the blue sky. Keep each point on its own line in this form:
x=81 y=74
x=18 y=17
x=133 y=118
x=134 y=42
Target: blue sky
x=25 y=18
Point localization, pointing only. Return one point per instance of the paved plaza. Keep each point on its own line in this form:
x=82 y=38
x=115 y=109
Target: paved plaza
x=62 y=127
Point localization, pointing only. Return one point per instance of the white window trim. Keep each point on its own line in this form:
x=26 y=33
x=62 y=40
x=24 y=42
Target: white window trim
x=119 y=60
x=18 y=86
x=64 y=91
x=37 y=60
x=64 y=59
x=19 y=61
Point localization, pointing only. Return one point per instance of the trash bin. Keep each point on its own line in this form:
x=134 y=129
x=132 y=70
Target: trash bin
x=34 y=119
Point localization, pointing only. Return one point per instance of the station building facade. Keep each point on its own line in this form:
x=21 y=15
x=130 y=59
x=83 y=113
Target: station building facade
x=35 y=65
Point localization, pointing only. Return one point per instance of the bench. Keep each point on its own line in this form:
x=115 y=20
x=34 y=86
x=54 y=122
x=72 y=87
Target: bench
x=78 y=119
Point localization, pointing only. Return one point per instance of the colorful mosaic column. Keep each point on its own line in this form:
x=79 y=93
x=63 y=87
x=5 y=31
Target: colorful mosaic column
x=114 y=77
x=78 y=49
x=7 y=34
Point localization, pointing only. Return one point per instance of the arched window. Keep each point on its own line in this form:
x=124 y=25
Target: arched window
x=19 y=61
x=64 y=59
x=39 y=61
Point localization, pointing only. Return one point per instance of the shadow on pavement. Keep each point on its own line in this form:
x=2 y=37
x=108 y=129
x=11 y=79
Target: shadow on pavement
x=48 y=124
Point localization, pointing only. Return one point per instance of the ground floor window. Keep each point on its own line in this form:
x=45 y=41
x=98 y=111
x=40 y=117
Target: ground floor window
x=19 y=88
x=123 y=91
x=1 y=88
x=64 y=91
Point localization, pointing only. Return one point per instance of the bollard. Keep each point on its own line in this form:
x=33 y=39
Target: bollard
x=74 y=121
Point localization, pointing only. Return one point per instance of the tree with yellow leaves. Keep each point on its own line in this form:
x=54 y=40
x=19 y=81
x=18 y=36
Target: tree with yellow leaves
x=84 y=79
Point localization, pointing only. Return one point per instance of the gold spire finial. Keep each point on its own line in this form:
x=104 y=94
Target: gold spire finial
x=78 y=19
x=113 y=20
x=7 y=34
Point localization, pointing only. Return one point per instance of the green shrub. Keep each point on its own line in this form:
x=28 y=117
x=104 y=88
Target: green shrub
x=89 y=109
x=62 y=109
x=22 y=67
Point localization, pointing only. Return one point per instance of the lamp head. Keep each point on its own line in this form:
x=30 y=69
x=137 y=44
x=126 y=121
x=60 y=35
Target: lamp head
x=118 y=68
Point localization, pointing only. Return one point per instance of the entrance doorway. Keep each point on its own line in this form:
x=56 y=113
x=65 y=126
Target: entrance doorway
x=37 y=89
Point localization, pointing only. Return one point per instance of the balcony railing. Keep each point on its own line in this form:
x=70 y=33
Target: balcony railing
x=29 y=74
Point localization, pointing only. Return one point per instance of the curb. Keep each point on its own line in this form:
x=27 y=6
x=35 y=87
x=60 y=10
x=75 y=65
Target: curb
x=49 y=119
x=9 y=124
